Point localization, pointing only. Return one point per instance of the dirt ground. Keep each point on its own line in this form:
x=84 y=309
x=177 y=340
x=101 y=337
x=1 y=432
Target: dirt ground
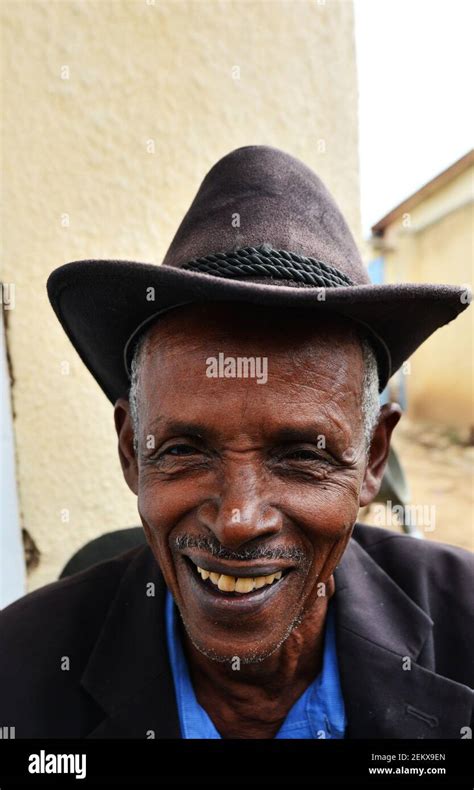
x=439 y=470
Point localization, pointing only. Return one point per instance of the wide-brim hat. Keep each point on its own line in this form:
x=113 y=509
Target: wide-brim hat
x=264 y=230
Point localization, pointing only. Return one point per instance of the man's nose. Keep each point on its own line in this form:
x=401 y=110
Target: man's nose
x=241 y=511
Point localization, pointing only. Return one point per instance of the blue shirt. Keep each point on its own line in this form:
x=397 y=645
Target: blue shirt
x=318 y=713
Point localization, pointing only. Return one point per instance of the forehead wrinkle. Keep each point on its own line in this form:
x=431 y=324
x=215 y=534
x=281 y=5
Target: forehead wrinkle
x=180 y=348
x=191 y=334
x=340 y=387
x=282 y=365
x=259 y=329
x=328 y=393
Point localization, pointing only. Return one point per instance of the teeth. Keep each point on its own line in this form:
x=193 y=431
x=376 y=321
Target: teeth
x=238 y=584
x=226 y=583
x=244 y=585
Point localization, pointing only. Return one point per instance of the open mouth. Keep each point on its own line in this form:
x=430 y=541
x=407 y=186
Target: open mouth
x=234 y=585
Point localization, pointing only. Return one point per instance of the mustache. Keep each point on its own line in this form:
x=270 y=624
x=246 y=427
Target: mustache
x=214 y=548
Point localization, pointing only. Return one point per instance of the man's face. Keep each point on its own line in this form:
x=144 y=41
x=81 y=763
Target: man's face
x=246 y=480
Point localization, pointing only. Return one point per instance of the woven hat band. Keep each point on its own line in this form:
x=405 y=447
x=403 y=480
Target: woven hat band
x=266 y=263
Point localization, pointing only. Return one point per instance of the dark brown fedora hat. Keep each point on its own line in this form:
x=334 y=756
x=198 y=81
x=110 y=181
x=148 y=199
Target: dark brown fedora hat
x=262 y=229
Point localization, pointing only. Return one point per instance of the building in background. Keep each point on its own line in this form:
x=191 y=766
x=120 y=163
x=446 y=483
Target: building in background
x=429 y=237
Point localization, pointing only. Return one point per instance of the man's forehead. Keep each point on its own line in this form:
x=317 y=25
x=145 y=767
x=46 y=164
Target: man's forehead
x=201 y=357
x=191 y=327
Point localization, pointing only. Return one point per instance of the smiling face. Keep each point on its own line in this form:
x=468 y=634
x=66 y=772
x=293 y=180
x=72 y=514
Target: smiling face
x=248 y=491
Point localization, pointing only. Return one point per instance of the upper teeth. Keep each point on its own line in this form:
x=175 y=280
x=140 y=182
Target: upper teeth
x=237 y=583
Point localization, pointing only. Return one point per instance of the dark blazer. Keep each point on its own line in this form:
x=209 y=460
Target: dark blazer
x=403 y=628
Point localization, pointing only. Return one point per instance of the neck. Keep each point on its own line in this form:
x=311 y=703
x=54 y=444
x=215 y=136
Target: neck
x=253 y=701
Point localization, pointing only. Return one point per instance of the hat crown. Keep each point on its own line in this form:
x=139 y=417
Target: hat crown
x=261 y=196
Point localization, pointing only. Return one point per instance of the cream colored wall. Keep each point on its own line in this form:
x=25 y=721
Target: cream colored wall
x=436 y=245
x=87 y=86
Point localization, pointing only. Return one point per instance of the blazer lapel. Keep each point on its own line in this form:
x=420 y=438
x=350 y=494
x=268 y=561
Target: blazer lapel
x=128 y=673
x=381 y=633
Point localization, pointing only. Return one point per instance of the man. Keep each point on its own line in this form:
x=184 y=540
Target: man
x=245 y=374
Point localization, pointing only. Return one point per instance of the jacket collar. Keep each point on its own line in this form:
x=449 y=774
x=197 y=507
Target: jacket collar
x=380 y=634
x=128 y=672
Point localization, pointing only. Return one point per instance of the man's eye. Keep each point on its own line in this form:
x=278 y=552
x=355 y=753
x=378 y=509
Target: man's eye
x=180 y=449
x=303 y=455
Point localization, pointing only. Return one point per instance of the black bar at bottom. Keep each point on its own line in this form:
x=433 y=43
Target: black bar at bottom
x=380 y=763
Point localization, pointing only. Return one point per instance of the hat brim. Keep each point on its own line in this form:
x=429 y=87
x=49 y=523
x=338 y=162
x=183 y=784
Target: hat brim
x=100 y=304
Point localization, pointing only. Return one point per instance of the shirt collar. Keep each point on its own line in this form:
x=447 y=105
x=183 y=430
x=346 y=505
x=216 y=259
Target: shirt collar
x=318 y=713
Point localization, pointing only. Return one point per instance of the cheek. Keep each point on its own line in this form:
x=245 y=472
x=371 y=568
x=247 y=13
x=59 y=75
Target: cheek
x=158 y=515
x=168 y=501
x=152 y=508
x=326 y=510
x=161 y=504
x=325 y=514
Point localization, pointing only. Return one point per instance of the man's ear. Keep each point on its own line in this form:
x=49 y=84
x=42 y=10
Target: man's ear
x=128 y=459
x=390 y=414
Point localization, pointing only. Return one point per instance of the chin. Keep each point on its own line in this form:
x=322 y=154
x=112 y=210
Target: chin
x=236 y=654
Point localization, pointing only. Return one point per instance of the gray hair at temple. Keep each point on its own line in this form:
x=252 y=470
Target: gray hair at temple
x=370 y=389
